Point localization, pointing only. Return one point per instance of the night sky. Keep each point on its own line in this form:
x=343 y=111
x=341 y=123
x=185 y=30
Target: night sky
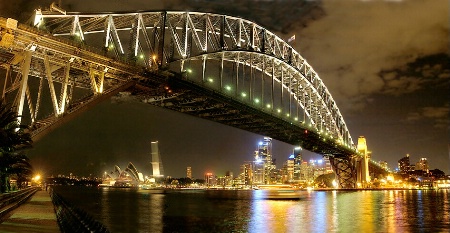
x=386 y=64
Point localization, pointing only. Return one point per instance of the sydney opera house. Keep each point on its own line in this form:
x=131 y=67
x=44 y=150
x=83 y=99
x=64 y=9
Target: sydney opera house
x=130 y=177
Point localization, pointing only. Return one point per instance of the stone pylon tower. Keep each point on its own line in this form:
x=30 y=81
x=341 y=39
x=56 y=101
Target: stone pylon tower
x=363 y=176
x=157 y=166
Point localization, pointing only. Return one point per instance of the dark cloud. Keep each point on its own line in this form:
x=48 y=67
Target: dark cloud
x=356 y=40
x=429 y=71
x=439 y=115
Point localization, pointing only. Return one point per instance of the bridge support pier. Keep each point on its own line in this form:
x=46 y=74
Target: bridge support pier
x=345 y=171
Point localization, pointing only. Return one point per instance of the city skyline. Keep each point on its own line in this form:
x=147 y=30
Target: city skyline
x=397 y=168
x=385 y=63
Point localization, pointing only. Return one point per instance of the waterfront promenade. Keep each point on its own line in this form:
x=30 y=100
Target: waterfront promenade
x=36 y=215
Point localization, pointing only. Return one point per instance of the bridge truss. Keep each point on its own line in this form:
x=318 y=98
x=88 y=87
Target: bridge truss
x=217 y=67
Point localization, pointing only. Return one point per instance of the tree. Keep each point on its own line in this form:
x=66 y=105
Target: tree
x=325 y=180
x=13 y=139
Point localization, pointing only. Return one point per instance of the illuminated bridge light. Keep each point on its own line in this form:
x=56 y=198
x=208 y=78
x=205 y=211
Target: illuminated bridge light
x=141 y=56
x=278 y=110
x=210 y=80
x=228 y=88
x=268 y=106
x=189 y=71
x=287 y=115
x=296 y=119
x=244 y=94
x=257 y=101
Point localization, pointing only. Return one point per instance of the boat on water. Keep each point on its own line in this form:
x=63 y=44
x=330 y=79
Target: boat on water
x=151 y=187
x=279 y=192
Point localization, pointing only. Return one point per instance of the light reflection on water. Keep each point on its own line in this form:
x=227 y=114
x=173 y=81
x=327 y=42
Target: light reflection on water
x=130 y=210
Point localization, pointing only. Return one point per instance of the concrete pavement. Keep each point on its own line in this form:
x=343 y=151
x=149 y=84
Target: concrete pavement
x=36 y=215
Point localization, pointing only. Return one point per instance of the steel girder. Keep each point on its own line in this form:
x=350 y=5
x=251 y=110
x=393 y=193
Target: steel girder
x=158 y=39
x=61 y=66
x=345 y=171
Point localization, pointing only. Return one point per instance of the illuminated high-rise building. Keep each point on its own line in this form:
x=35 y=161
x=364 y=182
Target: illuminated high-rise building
x=297 y=164
x=404 y=164
x=306 y=172
x=263 y=164
x=422 y=165
x=258 y=169
x=189 y=172
x=228 y=178
x=157 y=166
x=321 y=166
x=246 y=173
x=210 y=179
x=288 y=169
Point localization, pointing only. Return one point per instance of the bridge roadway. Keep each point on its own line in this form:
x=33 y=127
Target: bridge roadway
x=28 y=51
x=200 y=101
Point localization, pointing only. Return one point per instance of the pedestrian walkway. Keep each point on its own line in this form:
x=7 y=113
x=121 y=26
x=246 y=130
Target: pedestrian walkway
x=36 y=215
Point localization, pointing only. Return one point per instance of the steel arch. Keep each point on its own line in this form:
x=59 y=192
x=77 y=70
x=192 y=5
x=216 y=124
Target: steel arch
x=159 y=38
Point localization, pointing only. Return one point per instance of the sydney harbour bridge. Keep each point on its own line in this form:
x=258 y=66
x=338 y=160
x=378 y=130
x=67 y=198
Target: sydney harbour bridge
x=217 y=67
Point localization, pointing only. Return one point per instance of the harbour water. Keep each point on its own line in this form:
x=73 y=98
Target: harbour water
x=134 y=210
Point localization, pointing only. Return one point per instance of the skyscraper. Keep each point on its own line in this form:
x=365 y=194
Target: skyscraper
x=157 y=166
x=246 y=174
x=264 y=163
x=189 y=172
x=288 y=169
x=210 y=179
x=422 y=165
x=404 y=164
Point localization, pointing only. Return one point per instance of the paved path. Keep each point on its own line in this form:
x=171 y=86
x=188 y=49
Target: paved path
x=36 y=215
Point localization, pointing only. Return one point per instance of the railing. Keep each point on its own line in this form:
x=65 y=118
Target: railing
x=73 y=219
x=10 y=201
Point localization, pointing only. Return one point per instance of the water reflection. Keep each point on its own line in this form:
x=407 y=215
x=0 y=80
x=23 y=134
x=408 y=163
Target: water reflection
x=123 y=210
